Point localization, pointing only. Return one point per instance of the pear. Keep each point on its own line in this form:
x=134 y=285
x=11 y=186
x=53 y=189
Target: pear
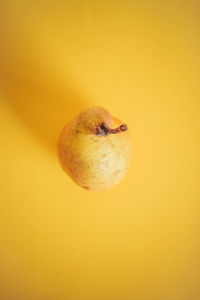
x=95 y=149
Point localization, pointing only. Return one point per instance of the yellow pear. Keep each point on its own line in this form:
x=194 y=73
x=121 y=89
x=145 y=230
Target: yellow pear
x=95 y=149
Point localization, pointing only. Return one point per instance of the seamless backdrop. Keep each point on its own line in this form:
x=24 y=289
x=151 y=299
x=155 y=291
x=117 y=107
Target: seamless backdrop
x=140 y=60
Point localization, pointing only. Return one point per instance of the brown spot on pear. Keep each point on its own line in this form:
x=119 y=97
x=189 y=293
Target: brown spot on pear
x=91 y=165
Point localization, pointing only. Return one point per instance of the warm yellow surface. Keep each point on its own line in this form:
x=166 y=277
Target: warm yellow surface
x=140 y=60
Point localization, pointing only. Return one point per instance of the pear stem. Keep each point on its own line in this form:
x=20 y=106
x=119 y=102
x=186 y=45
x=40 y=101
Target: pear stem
x=104 y=130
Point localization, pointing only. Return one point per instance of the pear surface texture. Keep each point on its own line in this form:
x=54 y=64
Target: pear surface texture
x=95 y=149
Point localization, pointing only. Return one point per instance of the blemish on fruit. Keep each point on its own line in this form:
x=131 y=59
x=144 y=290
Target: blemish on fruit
x=117 y=172
x=86 y=187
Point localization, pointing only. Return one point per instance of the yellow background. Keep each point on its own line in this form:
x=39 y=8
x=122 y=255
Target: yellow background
x=140 y=60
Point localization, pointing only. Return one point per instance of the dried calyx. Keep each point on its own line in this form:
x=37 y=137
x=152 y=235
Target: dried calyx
x=104 y=130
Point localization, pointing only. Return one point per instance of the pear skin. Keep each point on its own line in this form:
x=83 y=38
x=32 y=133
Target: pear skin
x=95 y=149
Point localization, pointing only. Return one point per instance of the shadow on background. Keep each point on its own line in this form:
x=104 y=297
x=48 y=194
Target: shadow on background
x=35 y=86
x=41 y=103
